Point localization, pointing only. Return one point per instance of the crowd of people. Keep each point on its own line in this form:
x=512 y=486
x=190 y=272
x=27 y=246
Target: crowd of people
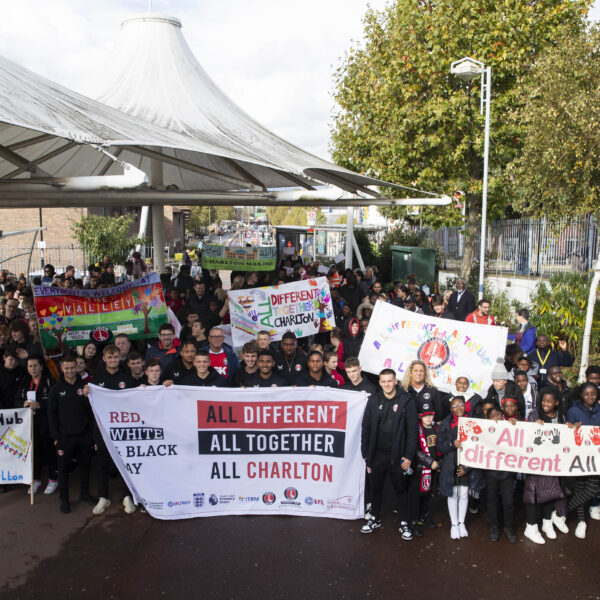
x=409 y=430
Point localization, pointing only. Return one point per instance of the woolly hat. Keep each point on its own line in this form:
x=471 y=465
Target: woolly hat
x=499 y=371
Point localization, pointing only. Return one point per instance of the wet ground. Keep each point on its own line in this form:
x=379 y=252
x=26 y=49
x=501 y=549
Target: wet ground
x=48 y=555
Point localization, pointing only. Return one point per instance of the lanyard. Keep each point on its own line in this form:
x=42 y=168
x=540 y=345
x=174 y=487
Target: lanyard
x=543 y=362
x=37 y=385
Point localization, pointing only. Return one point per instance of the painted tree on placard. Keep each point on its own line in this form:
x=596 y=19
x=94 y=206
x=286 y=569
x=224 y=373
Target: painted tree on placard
x=56 y=326
x=145 y=300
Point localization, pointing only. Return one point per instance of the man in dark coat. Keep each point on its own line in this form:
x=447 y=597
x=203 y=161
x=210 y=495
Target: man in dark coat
x=461 y=302
x=388 y=444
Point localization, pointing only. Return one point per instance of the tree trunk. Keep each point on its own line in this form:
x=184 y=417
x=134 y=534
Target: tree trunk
x=471 y=227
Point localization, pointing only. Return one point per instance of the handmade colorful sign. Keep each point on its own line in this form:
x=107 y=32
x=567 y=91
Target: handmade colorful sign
x=16 y=449
x=69 y=317
x=239 y=258
x=189 y=452
x=451 y=349
x=529 y=448
x=302 y=307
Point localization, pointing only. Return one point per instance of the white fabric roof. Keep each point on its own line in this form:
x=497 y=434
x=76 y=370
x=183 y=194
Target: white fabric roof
x=156 y=103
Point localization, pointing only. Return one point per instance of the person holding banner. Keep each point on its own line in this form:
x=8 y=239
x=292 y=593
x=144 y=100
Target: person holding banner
x=264 y=376
x=585 y=411
x=388 y=444
x=500 y=483
x=34 y=391
x=502 y=386
x=454 y=478
x=542 y=491
x=70 y=420
x=291 y=360
x=110 y=376
x=204 y=375
x=248 y=366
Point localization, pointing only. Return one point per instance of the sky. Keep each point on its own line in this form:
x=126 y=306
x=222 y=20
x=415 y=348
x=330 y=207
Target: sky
x=274 y=58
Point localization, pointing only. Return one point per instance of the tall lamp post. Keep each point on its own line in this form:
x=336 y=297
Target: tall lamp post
x=468 y=69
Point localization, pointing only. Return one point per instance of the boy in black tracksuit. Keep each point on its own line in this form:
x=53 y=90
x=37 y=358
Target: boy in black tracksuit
x=70 y=420
x=388 y=445
x=109 y=376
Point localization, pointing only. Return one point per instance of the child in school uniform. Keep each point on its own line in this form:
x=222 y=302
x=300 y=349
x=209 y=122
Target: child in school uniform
x=501 y=483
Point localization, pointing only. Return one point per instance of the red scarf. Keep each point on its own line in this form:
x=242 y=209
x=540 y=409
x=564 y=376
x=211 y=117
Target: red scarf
x=425 y=485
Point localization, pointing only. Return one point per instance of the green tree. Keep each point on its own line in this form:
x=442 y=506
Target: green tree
x=558 y=172
x=402 y=117
x=202 y=217
x=106 y=235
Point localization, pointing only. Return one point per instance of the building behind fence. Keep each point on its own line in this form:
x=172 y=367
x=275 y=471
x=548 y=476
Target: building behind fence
x=528 y=246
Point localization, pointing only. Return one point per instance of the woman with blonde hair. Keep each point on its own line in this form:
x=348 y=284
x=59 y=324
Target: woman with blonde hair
x=418 y=383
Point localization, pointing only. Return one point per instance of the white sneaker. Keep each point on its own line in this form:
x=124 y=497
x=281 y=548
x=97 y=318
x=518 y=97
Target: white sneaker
x=580 y=530
x=548 y=529
x=560 y=523
x=37 y=484
x=462 y=530
x=129 y=506
x=51 y=487
x=455 y=532
x=103 y=504
x=595 y=512
x=533 y=533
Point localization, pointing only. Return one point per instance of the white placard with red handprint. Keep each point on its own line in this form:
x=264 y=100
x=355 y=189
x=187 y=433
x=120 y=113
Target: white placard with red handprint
x=529 y=447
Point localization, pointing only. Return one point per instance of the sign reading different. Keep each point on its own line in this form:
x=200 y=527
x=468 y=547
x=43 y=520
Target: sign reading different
x=529 y=447
x=69 y=317
x=239 y=258
x=302 y=307
x=199 y=452
x=450 y=348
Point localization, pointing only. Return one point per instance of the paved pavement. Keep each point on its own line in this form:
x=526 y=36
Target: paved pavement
x=49 y=556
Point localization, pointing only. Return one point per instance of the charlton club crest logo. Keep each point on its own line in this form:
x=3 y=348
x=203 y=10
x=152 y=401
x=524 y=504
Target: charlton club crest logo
x=434 y=353
x=290 y=493
x=269 y=498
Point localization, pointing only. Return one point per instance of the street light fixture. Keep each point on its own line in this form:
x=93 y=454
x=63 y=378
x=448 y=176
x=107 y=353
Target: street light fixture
x=468 y=69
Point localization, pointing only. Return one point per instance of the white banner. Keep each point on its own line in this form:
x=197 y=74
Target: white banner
x=529 y=448
x=199 y=452
x=16 y=447
x=451 y=349
x=302 y=307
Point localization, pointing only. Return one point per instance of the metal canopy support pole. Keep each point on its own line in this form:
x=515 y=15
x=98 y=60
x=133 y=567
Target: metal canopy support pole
x=158 y=218
x=359 y=258
x=144 y=214
x=349 y=235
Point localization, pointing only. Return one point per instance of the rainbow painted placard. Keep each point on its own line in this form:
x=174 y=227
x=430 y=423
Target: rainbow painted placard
x=302 y=307
x=73 y=317
x=451 y=349
x=15 y=446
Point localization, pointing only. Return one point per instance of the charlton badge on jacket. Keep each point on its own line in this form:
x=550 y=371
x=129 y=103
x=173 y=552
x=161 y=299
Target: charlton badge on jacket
x=395 y=407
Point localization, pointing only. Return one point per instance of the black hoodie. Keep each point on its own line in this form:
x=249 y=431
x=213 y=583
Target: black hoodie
x=213 y=379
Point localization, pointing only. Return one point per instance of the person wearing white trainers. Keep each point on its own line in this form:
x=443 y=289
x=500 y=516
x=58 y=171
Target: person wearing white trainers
x=560 y=522
x=51 y=487
x=584 y=411
x=454 y=478
x=595 y=512
x=103 y=504
x=128 y=505
x=541 y=491
x=388 y=444
x=37 y=484
x=533 y=533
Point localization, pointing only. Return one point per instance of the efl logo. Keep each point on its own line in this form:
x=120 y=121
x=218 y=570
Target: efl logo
x=269 y=498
